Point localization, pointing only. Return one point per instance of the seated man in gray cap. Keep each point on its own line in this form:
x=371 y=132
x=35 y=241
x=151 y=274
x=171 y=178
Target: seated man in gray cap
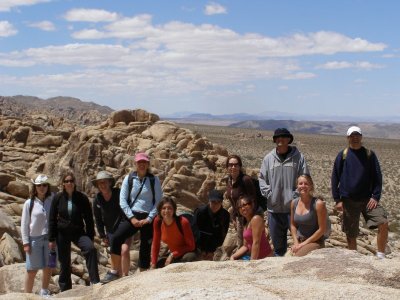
x=212 y=221
x=356 y=188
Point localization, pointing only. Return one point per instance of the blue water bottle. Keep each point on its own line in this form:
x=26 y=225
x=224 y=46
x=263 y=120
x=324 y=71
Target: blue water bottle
x=52 y=259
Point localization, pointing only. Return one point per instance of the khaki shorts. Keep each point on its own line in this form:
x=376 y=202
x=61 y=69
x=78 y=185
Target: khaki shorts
x=351 y=216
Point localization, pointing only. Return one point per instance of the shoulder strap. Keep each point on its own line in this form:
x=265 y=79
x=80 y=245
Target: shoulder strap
x=31 y=203
x=178 y=221
x=130 y=185
x=152 y=184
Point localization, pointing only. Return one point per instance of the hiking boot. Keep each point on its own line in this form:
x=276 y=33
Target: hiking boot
x=109 y=277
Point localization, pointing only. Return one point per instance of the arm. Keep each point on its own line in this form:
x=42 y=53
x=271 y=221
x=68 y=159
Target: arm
x=239 y=253
x=155 y=246
x=158 y=196
x=376 y=175
x=188 y=237
x=25 y=222
x=98 y=216
x=123 y=198
x=335 y=178
x=257 y=229
x=53 y=218
x=293 y=227
x=265 y=186
x=322 y=214
x=88 y=216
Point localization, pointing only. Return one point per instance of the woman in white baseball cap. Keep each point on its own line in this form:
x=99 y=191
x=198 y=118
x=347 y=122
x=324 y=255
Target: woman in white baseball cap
x=34 y=231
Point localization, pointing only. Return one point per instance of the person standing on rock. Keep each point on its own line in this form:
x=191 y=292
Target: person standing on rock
x=356 y=188
x=34 y=232
x=108 y=215
x=239 y=184
x=212 y=221
x=279 y=171
x=71 y=221
x=140 y=194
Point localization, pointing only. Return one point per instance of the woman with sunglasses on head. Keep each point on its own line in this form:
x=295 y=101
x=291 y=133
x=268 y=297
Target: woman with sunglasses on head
x=255 y=244
x=71 y=220
x=308 y=218
x=34 y=232
x=239 y=184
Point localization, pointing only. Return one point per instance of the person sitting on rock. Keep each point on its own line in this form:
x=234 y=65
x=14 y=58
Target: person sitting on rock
x=176 y=232
x=212 y=221
x=71 y=221
x=108 y=215
x=34 y=232
x=256 y=245
x=307 y=219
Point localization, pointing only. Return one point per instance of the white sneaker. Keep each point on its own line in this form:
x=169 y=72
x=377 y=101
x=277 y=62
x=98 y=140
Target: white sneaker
x=380 y=255
x=45 y=293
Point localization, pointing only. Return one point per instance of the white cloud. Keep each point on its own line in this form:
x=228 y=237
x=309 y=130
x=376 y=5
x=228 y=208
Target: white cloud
x=43 y=25
x=214 y=9
x=7 y=29
x=336 y=65
x=283 y=88
x=90 y=15
x=7 y=5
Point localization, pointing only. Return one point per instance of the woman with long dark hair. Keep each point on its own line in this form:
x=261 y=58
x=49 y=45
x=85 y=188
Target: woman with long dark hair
x=176 y=232
x=34 y=232
x=71 y=221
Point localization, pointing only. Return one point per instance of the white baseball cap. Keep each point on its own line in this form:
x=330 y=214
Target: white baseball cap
x=353 y=129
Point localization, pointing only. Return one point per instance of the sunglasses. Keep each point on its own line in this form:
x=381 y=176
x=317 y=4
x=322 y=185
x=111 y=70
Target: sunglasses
x=230 y=165
x=41 y=185
x=244 y=205
x=69 y=181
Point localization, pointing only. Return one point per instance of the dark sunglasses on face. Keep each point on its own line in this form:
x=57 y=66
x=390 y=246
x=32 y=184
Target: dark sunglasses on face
x=68 y=181
x=230 y=165
x=42 y=184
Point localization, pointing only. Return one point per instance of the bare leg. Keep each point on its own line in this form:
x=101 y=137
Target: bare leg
x=382 y=237
x=116 y=262
x=46 y=278
x=29 y=279
x=352 y=243
x=125 y=257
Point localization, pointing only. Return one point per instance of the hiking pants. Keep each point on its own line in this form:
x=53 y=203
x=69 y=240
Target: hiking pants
x=279 y=224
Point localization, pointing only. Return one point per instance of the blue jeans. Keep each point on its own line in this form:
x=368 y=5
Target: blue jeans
x=279 y=224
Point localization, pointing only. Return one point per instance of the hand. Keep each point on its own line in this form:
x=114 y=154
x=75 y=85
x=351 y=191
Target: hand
x=52 y=245
x=339 y=206
x=106 y=242
x=27 y=248
x=169 y=259
x=135 y=222
x=144 y=222
x=152 y=267
x=372 y=203
x=232 y=257
x=297 y=247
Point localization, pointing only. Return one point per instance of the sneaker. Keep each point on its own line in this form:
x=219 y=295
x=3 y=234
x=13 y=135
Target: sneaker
x=44 y=293
x=380 y=255
x=109 y=277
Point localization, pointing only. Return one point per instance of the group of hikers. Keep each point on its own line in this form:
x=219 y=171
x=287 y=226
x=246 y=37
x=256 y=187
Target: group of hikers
x=52 y=222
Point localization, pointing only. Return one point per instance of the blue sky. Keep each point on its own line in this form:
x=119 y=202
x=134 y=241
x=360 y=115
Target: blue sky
x=307 y=57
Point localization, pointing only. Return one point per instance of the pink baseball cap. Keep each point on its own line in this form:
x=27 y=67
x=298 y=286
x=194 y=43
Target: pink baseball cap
x=141 y=156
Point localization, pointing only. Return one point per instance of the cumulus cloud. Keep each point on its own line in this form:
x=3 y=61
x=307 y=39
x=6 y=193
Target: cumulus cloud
x=7 y=29
x=43 y=25
x=336 y=65
x=214 y=8
x=90 y=15
x=7 y=5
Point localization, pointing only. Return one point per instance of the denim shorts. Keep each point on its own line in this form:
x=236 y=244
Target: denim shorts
x=38 y=258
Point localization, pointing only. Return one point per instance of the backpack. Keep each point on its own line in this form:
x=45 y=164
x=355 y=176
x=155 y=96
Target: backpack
x=328 y=228
x=130 y=185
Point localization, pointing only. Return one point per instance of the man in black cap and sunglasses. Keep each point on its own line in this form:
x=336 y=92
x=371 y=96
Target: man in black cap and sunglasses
x=278 y=175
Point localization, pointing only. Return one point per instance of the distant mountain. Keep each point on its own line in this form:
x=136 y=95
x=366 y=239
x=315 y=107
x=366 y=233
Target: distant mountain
x=380 y=130
x=62 y=107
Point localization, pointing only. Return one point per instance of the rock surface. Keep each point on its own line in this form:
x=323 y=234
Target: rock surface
x=324 y=274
